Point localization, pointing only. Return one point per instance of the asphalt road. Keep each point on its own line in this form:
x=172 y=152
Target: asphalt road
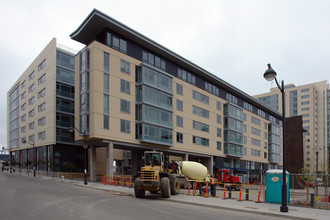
x=25 y=198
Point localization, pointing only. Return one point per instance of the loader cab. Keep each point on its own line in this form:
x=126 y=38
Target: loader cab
x=152 y=158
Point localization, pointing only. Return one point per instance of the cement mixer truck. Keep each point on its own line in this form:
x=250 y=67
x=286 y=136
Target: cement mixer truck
x=155 y=176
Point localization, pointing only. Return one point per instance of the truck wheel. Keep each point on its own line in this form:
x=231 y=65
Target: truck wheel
x=175 y=186
x=237 y=186
x=165 y=187
x=139 y=193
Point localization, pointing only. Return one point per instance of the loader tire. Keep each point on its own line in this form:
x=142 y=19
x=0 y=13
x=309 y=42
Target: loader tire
x=165 y=187
x=175 y=186
x=139 y=193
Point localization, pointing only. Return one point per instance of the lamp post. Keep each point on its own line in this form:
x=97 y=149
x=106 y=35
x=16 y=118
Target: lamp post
x=270 y=75
x=71 y=129
x=34 y=157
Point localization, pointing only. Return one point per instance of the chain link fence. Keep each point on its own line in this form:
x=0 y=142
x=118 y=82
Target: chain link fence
x=310 y=190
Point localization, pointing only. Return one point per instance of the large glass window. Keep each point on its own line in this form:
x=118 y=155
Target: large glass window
x=125 y=86
x=200 y=126
x=200 y=97
x=179 y=137
x=200 y=112
x=179 y=89
x=125 y=66
x=179 y=105
x=179 y=121
x=125 y=106
x=125 y=126
x=200 y=141
x=65 y=60
x=153 y=60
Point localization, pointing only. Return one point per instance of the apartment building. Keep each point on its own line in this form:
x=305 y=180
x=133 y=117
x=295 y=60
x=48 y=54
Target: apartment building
x=132 y=93
x=311 y=101
x=40 y=110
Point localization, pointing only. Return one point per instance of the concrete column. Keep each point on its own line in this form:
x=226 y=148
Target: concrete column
x=186 y=157
x=211 y=166
x=109 y=160
x=92 y=163
x=134 y=162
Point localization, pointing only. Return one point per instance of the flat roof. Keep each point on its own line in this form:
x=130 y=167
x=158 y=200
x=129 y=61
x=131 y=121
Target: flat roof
x=97 y=21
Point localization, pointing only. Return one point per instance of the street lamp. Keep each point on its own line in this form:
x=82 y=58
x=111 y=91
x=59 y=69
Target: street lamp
x=71 y=129
x=270 y=75
x=34 y=157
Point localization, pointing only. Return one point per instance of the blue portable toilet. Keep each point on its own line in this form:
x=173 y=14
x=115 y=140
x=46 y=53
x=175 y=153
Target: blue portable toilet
x=274 y=186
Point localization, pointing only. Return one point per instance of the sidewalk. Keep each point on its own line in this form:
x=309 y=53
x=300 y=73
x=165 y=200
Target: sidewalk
x=266 y=209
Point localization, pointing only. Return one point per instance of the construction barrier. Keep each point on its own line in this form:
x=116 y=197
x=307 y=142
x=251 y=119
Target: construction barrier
x=207 y=190
x=123 y=181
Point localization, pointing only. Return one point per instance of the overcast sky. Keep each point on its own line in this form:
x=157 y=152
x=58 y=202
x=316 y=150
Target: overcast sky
x=233 y=39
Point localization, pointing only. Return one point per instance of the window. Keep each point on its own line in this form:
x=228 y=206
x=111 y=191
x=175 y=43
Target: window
x=211 y=88
x=255 y=131
x=42 y=79
x=31 y=113
x=106 y=121
x=200 y=141
x=31 y=88
x=219 y=119
x=153 y=60
x=125 y=66
x=31 y=101
x=179 y=121
x=31 y=76
x=23 y=107
x=23 y=129
x=231 y=98
x=200 y=112
x=125 y=106
x=265 y=135
x=31 y=138
x=179 y=137
x=305 y=109
x=179 y=105
x=125 y=126
x=304 y=96
x=255 y=153
x=247 y=106
x=218 y=145
x=106 y=104
x=200 y=126
x=42 y=135
x=42 y=107
x=305 y=103
x=200 y=97
x=23 y=118
x=42 y=93
x=179 y=89
x=219 y=105
x=305 y=90
x=31 y=126
x=42 y=121
x=23 y=96
x=186 y=76
x=42 y=65
x=255 y=120
x=125 y=86
x=255 y=142
x=219 y=132
x=23 y=84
